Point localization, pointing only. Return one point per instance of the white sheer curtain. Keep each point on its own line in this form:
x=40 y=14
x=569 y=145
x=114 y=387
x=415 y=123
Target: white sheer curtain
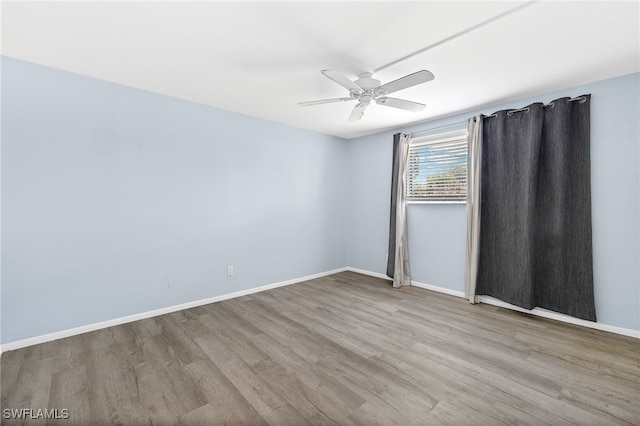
x=401 y=273
x=474 y=170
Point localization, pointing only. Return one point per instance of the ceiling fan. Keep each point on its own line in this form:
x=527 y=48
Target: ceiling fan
x=367 y=89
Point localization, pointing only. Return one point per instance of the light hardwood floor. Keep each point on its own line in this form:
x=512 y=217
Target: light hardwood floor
x=344 y=349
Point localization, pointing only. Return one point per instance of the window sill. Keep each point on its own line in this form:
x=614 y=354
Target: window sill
x=435 y=202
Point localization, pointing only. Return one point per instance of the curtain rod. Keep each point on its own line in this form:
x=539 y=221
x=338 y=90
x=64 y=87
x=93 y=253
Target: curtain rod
x=510 y=112
x=458 y=124
x=582 y=99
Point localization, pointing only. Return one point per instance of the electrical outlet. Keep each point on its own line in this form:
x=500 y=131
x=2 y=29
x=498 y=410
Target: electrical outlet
x=229 y=271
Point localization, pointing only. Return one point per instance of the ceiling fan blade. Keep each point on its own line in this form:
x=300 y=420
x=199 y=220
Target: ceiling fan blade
x=325 y=101
x=358 y=111
x=407 y=81
x=401 y=103
x=342 y=80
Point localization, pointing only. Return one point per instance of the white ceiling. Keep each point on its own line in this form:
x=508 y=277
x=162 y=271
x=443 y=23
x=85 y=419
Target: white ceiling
x=261 y=58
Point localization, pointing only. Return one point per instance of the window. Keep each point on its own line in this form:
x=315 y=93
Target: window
x=437 y=168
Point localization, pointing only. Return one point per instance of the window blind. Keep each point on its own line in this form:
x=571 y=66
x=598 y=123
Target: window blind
x=437 y=169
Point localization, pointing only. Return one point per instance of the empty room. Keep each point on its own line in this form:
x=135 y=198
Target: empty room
x=307 y=212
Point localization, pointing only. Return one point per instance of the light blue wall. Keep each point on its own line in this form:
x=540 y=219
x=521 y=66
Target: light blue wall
x=437 y=232
x=118 y=201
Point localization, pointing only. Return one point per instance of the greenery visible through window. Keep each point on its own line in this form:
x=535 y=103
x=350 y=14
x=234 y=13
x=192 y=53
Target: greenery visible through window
x=437 y=168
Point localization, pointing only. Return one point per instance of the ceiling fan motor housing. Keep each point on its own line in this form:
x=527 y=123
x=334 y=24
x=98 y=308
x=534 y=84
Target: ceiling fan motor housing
x=370 y=88
x=366 y=81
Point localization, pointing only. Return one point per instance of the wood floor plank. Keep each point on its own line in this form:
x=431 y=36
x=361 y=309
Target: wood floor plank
x=599 y=405
x=228 y=404
x=69 y=388
x=314 y=406
x=452 y=412
x=311 y=374
x=260 y=394
x=344 y=349
x=542 y=400
x=450 y=380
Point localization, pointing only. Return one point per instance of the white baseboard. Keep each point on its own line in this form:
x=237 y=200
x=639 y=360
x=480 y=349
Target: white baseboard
x=10 y=346
x=413 y=283
x=371 y=274
x=540 y=312
x=438 y=289
x=535 y=311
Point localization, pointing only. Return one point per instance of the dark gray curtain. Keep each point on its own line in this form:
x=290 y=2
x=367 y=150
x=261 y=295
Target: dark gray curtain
x=535 y=239
x=395 y=165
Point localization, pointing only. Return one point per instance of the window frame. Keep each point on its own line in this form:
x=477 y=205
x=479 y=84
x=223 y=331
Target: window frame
x=438 y=138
